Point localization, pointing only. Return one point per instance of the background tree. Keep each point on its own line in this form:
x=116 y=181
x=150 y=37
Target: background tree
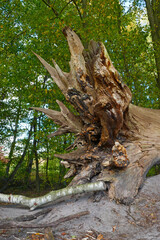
x=153 y=12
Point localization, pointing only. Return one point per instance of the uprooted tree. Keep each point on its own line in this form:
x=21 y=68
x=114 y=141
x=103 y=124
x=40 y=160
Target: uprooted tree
x=116 y=142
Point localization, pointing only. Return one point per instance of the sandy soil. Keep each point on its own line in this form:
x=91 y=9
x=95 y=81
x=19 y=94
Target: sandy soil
x=139 y=221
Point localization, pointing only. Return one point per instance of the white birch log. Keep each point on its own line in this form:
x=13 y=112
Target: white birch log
x=33 y=203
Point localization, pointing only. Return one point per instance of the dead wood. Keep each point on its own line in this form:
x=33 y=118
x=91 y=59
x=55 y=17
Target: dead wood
x=14 y=224
x=52 y=196
x=117 y=142
x=25 y=218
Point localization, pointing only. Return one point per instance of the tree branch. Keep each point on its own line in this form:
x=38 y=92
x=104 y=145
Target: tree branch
x=55 y=12
x=77 y=9
x=65 y=6
x=33 y=203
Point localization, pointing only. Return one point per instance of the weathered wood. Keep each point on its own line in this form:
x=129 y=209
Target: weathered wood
x=25 y=218
x=13 y=224
x=52 y=196
x=67 y=120
x=117 y=142
x=60 y=79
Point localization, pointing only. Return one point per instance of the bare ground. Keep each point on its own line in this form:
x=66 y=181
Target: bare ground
x=102 y=219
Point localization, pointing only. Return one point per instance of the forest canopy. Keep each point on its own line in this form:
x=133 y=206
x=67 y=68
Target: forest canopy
x=128 y=32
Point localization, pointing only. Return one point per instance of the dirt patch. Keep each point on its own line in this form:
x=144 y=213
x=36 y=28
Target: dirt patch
x=106 y=219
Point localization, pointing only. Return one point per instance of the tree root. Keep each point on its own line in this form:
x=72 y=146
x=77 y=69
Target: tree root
x=13 y=224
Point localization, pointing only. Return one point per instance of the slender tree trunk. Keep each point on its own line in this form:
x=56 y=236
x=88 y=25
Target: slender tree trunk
x=36 y=154
x=84 y=15
x=62 y=169
x=14 y=140
x=29 y=167
x=37 y=172
x=153 y=11
x=119 y=26
x=119 y=16
x=47 y=163
x=13 y=173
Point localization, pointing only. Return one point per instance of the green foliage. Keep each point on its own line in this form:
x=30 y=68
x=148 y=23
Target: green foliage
x=32 y=25
x=155 y=170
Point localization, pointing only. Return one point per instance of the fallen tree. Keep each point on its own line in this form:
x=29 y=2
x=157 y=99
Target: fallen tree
x=116 y=142
x=33 y=203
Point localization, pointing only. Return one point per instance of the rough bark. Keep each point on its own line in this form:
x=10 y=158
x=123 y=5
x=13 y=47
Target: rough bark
x=116 y=142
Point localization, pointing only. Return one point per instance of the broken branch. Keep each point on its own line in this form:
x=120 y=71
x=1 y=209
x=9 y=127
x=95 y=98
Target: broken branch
x=33 y=203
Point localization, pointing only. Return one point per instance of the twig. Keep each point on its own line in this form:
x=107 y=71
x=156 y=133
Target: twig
x=65 y=6
x=32 y=216
x=55 y=12
x=78 y=9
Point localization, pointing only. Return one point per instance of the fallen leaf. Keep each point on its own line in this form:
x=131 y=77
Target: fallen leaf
x=3 y=231
x=37 y=236
x=100 y=237
x=48 y=234
x=114 y=228
x=73 y=237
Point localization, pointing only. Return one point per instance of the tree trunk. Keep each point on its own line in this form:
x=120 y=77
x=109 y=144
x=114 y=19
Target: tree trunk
x=47 y=163
x=116 y=142
x=14 y=140
x=13 y=173
x=36 y=154
x=29 y=166
x=153 y=12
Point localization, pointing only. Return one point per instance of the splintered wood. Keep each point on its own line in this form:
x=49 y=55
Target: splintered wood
x=107 y=126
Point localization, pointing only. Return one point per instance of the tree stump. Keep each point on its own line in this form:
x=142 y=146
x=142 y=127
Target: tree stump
x=116 y=142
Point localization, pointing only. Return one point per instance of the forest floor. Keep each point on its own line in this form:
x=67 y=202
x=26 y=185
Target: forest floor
x=88 y=217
